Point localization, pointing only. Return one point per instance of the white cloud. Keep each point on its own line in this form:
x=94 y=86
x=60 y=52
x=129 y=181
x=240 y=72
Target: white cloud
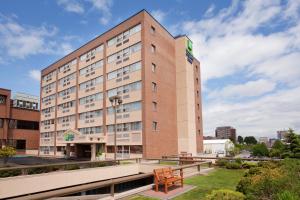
x=249 y=89
x=209 y=11
x=158 y=15
x=20 y=41
x=262 y=117
x=35 y=74
x=104 y=6
x=71 y=6
x=255 y=40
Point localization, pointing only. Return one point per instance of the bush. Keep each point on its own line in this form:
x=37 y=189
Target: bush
x=233 y=165
x=287 y=195
x=272 y=180
x=12 y=172
x=248 y=165
x=221 y=162
x=225 y=194
x=72 y=167
x=6 y=153
x=41 y=170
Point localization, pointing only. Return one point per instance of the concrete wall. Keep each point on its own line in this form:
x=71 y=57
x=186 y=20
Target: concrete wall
x=21 y=185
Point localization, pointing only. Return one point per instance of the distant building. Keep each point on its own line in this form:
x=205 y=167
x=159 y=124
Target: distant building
x=220 y=147
x=209 y=137
x=19 y=122
x=272 y=141
x=281 y=135
x=264 y=140
x=226 y=132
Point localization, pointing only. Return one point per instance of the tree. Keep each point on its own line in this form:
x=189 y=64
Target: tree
x=6 y=153
x=240 y=139
x=260 y=150
x=294 y=143
x=278 y=149
x=250 y=140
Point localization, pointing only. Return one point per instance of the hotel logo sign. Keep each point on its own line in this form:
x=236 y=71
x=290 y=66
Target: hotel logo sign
x=189 y=51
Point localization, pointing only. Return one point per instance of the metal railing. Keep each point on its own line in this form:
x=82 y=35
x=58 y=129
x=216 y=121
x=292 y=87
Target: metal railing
x=195 y=158
x=46 y=168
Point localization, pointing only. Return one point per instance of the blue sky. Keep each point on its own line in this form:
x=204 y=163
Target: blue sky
x=249 y=51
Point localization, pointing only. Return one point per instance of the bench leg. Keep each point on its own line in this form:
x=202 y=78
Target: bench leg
x=156 y=187
x=181 y=182
x=166 y=187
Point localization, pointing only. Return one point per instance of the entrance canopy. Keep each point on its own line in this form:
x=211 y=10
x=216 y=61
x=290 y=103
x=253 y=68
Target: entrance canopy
x=75 y=137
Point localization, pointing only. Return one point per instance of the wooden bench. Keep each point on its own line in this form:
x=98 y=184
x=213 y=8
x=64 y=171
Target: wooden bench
x=166 y=177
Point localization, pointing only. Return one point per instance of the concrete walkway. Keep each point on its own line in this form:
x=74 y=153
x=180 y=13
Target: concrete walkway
x=174 y=191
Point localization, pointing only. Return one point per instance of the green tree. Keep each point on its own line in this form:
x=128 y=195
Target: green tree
x=260 y=150
x=250 y=140
x=240 y=139
x=278 y=149
x=6 y=153
x=294 y=143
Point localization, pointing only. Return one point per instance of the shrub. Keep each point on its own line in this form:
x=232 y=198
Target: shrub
x=72 y=167
x=248 y=165
x=287 y=195
x=225 y=194
x=272 y=180
x=221 y=162
x=238 y=160
x=6 y=153
x=40 y=170
x=12 y=172
x=233 y=165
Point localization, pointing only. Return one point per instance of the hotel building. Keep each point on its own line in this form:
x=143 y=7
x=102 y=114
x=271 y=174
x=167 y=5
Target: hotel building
x=158 y=79
x=19 y=122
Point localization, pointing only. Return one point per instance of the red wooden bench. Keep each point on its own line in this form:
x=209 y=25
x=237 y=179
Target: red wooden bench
x=166 y=177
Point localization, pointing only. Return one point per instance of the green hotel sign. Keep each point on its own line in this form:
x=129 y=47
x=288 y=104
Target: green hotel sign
x=69 y=136
x=189 y=51
x=189 y=46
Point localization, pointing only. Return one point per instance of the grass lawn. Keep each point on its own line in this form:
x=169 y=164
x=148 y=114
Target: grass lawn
x=220 y=178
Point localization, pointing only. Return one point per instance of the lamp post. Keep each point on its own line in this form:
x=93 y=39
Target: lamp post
x=115 y=102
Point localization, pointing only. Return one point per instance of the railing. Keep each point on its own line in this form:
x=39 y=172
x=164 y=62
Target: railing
x=46 y=168
x=100 y=184
x=180 y=157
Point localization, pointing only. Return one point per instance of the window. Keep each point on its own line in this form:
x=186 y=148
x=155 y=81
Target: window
x=1 y=123
x=91 y=98
x=154 y=106
x=197 y=80
x=153 y=48
x=66 y=92
x=91 y=114
x=125 y=70
x=196 y=68
x=2 y=99
x=197 y=93
x=67 y=67
x=198 y=118
x=124 y=89
x=124 y=53
x=91 y=83
x=154 y=126
x=91 y=54
x=65 y=81
x=66 y=119
x=152 y=30
x=124 y=36
x=90 y=68
x=154 y=87
x=153 y=67
x=198 y=106
x=91 y=130
x=29 y=125
x=199 y=132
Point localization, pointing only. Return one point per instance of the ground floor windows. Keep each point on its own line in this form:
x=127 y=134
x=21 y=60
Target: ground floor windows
x=126 y=149
x=21 y=144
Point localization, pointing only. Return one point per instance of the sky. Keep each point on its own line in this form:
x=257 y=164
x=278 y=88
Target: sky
x=249 y=51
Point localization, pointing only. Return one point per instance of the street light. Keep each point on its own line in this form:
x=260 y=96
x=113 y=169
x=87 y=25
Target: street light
x=115 y=102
